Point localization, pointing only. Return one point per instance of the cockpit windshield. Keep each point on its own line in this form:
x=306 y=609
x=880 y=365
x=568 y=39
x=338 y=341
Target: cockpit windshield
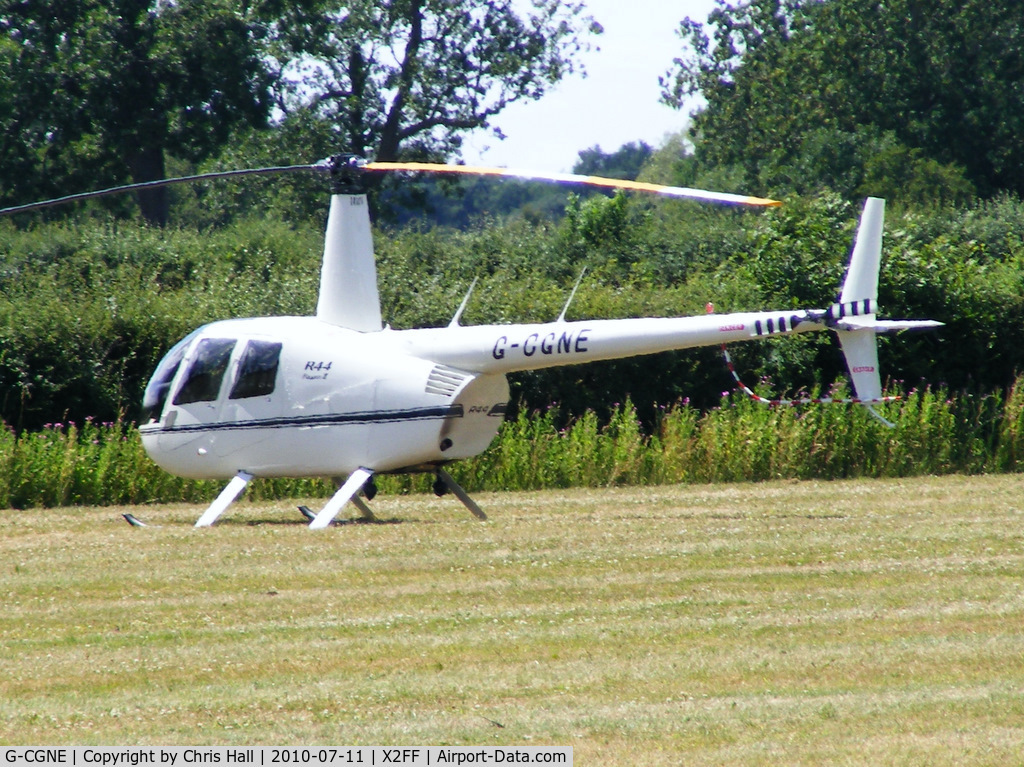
x=156 y=391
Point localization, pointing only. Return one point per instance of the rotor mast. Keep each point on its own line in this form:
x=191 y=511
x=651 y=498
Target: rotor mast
x=348 y=275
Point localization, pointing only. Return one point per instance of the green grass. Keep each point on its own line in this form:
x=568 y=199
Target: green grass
x=741 y=441
x=860 y=621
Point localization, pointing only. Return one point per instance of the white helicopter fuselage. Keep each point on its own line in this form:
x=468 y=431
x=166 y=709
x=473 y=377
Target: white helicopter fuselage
x=341 y=395
x=334 y=399
x=341 y=399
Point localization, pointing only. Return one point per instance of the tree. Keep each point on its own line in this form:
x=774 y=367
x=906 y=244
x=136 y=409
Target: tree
x=101 y=92
x=809 y=92
x=624 y=162
x=407 y=78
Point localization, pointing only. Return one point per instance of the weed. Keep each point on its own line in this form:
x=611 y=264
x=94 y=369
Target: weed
x=739 y=441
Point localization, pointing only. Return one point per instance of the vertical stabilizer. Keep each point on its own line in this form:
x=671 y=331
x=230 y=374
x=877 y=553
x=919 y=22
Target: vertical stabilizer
x=348 y=275
x=859 y=297
x=860 y=347
x=862 y=276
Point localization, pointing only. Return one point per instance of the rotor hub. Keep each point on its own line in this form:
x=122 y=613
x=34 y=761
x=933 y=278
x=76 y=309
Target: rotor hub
x=346 y=173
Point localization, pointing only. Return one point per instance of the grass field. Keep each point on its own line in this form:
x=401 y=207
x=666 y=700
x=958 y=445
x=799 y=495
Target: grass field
x=857 y=622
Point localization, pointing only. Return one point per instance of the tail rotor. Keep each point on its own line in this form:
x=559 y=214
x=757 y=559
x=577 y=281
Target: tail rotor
x=853 y=318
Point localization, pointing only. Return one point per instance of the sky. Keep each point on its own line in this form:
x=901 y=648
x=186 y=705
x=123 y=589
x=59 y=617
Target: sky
x=618 y=101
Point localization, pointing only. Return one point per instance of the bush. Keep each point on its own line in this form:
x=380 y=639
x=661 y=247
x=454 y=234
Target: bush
x=741 y=440
x=87 y=309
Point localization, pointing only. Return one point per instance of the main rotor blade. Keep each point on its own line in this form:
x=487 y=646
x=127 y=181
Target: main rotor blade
x=356 y=164
x=572 y=178
x=157 y=183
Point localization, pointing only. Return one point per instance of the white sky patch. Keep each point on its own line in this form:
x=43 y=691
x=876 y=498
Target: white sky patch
x=618 y=102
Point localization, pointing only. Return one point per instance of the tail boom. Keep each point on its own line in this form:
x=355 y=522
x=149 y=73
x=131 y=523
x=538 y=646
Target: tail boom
x=510 y=348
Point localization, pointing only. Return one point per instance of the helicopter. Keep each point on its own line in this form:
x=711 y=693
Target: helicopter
x=341 y=394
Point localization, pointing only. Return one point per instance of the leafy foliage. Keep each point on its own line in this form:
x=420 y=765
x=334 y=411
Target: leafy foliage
x=104 y=464
x=919 y=101
x=106 y=91
x=100 y=92
x=625 y=162
x=410 y=77
x=86 y=310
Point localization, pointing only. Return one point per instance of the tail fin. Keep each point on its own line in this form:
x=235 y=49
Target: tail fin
x=853 y=318
x=859 y=298
x=348 y=273
x=862 y=275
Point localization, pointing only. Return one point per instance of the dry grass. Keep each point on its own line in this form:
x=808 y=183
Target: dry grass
x=862 y=622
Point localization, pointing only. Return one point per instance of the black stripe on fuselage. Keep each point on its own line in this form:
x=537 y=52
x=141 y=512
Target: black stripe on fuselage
x=309 y=421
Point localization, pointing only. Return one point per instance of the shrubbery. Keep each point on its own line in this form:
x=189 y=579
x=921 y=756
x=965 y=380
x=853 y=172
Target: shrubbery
x=87 y=309
x=740 y=440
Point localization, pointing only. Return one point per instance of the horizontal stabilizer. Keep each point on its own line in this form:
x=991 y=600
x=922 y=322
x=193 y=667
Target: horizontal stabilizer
x=885 y=326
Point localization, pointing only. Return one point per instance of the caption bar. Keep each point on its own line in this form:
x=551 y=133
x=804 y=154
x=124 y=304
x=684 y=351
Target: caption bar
x=339 y=756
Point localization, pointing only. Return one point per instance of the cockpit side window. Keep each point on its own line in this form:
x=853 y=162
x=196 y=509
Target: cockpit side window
x=209 y=362
x=257 y=373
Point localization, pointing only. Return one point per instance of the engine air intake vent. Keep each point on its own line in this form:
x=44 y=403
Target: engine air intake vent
x=445 y=380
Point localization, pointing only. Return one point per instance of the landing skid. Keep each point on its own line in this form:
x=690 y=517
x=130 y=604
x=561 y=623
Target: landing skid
x=365 y=510
x=360 y=480
x=366 y=513
x=446 y=480
x=347 y=492
x=225 y=499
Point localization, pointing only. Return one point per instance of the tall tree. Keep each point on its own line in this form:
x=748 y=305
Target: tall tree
x=407 y=78
x=101 y=92
x=859 y=94
x=624 y=162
